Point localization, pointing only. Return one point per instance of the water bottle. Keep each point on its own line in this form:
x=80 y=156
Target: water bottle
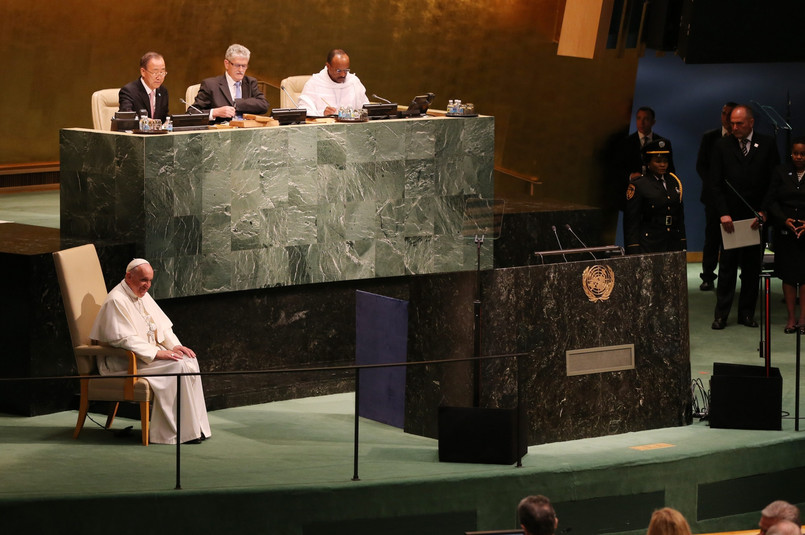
x=143 y=120
x=168 y=125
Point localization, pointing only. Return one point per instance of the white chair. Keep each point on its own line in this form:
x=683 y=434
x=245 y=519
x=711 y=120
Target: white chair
x=104 y=105
x=190 y=95
x=294 y=86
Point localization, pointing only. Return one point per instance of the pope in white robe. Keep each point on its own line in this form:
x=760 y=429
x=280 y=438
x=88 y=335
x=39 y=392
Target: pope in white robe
x=130 y=318
x=333 y=87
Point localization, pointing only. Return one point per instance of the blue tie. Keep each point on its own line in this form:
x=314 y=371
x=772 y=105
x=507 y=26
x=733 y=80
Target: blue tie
x=238 y=94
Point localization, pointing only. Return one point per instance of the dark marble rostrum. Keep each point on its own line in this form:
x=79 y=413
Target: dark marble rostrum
x=241 y=209
x=544 y=311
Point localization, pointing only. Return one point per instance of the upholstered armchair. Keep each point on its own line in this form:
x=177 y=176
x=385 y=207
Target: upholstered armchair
x=83 y=292
x=104 y=105
x=294 y=86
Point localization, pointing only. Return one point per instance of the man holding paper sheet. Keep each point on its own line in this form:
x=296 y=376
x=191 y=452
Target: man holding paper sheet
x=740 y=168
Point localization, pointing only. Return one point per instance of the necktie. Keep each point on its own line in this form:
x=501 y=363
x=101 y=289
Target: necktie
x=153 y=98
x=745 y=146
x=238 y=94
x=646 y=139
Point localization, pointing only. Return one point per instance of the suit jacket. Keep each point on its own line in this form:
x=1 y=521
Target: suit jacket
x=214 y=93
x=749 y=174
x=786 y=196
x=703 y=159
x=132 y=97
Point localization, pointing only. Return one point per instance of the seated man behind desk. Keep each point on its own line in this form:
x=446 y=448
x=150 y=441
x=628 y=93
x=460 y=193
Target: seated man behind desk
x=131 y=319
x=333 y=87
x=147 y=92
x=233 y=93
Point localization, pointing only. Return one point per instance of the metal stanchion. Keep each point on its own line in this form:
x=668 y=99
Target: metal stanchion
x=178 y=433
x=357 y=426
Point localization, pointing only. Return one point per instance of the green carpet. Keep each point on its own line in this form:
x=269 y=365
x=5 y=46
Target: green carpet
x=287 y=468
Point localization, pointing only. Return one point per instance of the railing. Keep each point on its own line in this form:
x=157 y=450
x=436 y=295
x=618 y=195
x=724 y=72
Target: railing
x=356 y=367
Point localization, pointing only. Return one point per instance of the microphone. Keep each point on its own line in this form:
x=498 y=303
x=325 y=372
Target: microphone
x=289 y=96
x=190 y=105
x=567 y=226
x=381 y=98
x=553 y=228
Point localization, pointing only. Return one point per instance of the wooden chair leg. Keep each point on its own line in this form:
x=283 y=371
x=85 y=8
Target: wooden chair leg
x=145 y=421
x=83 y=407
x=112 y=414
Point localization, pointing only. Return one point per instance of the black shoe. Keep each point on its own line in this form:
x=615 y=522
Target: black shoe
x=790 y=330
x=719 y=323
x=748 y=321
x=707 y=286
x=194 y=441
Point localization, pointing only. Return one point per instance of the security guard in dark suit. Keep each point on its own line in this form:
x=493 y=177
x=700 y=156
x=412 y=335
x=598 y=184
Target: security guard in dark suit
x=654 y=219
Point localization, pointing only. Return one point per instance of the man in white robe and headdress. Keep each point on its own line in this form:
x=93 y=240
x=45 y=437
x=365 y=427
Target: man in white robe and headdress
x=333 y=87
x=131 y=319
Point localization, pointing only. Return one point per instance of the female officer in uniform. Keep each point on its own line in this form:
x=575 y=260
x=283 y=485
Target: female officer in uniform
x=654 y=219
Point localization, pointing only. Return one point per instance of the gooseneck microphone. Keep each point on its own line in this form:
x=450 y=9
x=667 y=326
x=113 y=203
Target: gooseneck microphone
x=567 y=226
x=381 y=98
x=553 y=228
x=190 y=105
x=289 y=96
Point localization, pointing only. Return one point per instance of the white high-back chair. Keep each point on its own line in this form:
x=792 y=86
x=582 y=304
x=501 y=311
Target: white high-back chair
x=104 y=105
x=294 y=86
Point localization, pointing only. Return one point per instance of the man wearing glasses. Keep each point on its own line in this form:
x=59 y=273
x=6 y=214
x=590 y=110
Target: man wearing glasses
x=333 y=87
x=147 y=93
x=233 y=93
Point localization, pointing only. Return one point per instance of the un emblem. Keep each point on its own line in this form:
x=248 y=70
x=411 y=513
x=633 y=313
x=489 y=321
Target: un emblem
x=598 y=282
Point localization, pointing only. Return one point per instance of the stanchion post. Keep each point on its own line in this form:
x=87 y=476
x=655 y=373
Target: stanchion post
x=796 y=388
x=178 y=433
x=357 y=425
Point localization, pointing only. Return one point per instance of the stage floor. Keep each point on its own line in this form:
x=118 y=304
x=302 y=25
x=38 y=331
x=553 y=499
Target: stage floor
x=287 y=467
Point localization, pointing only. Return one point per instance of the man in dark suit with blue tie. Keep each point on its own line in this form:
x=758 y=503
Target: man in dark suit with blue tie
x=147 y=92
x=744 y=160
x=232 y=93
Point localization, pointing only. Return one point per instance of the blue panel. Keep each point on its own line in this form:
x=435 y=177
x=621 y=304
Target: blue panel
x=381 y=337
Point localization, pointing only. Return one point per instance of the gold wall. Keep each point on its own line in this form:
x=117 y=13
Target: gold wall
x=553 y=114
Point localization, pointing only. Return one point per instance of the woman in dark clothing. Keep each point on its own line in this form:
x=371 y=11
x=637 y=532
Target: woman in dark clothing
x=785 y=204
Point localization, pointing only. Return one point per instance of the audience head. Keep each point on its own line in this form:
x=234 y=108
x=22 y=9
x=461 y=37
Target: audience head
x=742 y=120
x=337 y=65
x=726 y=111
x=152 y=69
x=667 y=521
x=236 y=61
x=537 y=516
x=775 y=512
x=784 y=527
x=139 y=275
x=645 y=119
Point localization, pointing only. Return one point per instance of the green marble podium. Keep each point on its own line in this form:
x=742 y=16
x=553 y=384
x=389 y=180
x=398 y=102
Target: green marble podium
x=228 y=210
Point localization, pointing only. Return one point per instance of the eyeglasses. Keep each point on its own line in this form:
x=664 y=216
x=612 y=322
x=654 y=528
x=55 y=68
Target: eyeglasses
x=342 y=71
x=243 y=66
x=158 y=74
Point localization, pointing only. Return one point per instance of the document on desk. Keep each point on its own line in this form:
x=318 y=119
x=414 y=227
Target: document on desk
x=743 y=236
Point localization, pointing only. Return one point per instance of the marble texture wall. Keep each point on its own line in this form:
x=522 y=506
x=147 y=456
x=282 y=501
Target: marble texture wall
x=231 y=210
x=543 y=311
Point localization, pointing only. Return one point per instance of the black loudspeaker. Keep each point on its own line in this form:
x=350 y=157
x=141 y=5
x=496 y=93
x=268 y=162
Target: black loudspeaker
x=742 y=397
x=486 y=436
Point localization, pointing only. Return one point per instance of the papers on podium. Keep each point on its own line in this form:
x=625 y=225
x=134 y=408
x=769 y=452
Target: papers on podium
x=743 y=236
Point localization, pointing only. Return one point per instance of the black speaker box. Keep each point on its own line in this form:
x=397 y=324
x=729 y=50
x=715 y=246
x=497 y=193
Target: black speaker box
x=485 y=436
x=742 y=397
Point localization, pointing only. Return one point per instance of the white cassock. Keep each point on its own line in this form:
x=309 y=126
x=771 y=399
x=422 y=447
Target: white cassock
x=139 y=325
x=320 y=88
